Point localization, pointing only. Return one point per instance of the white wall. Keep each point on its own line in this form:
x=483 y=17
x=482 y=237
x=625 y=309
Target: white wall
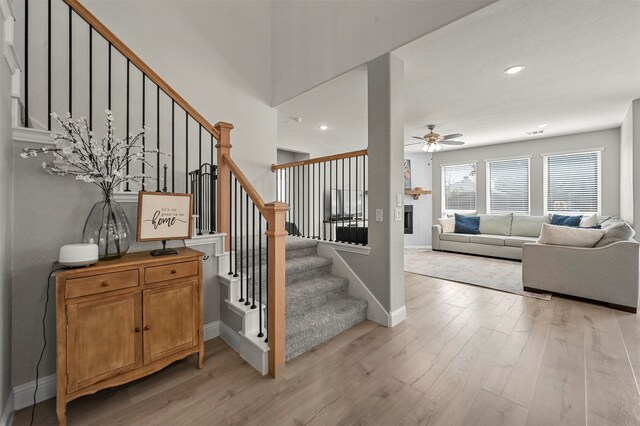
x=6 y=236
x=421 y=175
x=608 y=139
x=316 y=40
x=217 y=56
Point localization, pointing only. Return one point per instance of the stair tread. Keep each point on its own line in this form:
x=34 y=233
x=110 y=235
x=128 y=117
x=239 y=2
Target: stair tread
x=324 y=316
x=322 y=284
x=300 y=264
x=297 y=243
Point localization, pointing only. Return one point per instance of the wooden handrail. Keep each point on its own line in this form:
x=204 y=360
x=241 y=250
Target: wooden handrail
x=333 y=157
x=101 y=29
x=246 y=184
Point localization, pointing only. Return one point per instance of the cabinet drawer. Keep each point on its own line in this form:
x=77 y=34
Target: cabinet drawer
x=154 y=274
x=95 y=284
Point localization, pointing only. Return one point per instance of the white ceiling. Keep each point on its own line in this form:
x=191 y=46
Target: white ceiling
x=582 y=63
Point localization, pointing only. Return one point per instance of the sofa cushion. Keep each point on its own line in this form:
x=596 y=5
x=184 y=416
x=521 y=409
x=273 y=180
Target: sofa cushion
x=452 y=215
x=615 y=230
x=495 y=224
x=589 y=221
x=490 y=240
x=558 y=219
x=460 y=238
x=528 y=226
x=448 y=224
x=561 y=235
x=467 y=224
x=518 y=241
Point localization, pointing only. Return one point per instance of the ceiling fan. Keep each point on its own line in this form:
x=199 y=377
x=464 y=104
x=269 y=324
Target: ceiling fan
x=433 y=141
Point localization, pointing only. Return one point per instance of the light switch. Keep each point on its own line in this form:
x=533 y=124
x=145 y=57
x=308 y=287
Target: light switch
x=398 y=214
x=398 y=200
x=378 y=215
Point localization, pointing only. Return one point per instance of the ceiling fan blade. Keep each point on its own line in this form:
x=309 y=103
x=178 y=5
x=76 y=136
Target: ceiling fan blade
x=451 y=142
x=415 y=143
x=418 y=137
x=452 y=136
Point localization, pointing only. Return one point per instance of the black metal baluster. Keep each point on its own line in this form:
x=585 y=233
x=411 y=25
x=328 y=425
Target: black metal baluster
x=350 y=212
x=357 y=197
x=127 y=189
x=91 y=78
x=70 y=61
x=231 y=218
x=144 y=137
x=303 y=220
x=288 y=193
x=313 y=200
x=344 y=205
x=235 y=224
x=186 y=141
x=293 y=201
x=239 y=236
x=246 y=214
x=48 y=64
x=199 y=200
x=200 y=144
x=331 y=219
x=260 y=333
x=365 y=211
x=26 y=63
x=253 y=249
x=266 y=318
x=324 y=202
x=214 y=198
x=173 y=145
x=109 y=78
x=158 y=136
x=308 y=197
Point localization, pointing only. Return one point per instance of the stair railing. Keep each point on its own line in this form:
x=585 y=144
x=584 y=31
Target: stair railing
x=328 y=197
x=142 y=98
x=241 y=215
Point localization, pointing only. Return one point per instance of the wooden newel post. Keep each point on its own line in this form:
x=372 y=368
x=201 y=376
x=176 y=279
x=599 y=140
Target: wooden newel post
x=224 y=194
x=275 y=216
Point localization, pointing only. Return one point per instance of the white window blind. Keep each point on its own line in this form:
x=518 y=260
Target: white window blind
x=459 y=187
x=508 y=186
x=572 y=182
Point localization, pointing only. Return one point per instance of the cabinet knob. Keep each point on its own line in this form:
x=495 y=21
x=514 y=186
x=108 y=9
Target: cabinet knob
x=137 y=329
x=173 y=271
x=147 y=328
x=104 y=283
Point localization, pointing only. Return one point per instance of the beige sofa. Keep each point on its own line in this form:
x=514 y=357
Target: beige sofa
x=501 y=236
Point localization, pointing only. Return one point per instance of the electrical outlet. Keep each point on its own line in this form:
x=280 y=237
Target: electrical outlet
x=378 y=215
x=398 y=214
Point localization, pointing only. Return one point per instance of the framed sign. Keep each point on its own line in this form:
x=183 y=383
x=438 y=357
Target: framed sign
x=164 y=216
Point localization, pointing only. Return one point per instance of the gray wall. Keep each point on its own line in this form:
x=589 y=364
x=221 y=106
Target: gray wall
x=382 y=269
x=608 y=139
x=630 y=162
x=421 y=175
x=6 y=167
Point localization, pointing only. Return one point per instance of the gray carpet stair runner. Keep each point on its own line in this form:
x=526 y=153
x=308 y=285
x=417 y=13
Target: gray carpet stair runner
x=318 y=306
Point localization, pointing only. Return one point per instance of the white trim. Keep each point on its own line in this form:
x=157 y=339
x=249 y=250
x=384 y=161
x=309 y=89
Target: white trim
x=375 y=311
x=418 y=246
x=7 y=413
x=351 y=248
x=23 y=394
x=397 y=316
x=458 y=163
x=211 y=330
x=23 y=134
x=255 y=356
x=125 y=197
x=573 y=151
x=516 y=157
x=216 y=239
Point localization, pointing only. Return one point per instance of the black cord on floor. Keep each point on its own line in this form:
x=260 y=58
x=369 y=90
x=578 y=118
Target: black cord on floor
x=44 y=338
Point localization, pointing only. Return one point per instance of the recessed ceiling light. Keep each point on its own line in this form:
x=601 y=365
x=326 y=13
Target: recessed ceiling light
x=323 y=127
x=514 y=69
x=542 y=126
x=535 y=132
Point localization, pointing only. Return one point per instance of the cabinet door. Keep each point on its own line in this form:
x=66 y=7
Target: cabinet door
x=170 y=319
x=104 y=339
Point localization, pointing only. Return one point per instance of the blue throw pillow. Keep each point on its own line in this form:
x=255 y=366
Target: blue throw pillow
x=467 y=224
x=558 y=219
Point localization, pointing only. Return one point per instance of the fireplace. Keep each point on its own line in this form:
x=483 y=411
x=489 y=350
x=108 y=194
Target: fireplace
x=408 y=219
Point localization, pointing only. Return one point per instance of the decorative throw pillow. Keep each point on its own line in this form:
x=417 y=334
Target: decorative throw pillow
x=561 y=235
x=467 y=224
x=561 y=220
x=448 y=224
x=589 y=221
x=617 y=231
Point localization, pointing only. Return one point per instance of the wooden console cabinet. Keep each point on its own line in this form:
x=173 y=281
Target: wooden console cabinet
x=120 y=320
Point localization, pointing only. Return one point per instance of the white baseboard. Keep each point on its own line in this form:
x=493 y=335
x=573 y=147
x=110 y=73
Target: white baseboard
x=397 y=316
x=257 y=357
x=22 y=395
x=375 y=311
x=7 y=413
x=211 y=330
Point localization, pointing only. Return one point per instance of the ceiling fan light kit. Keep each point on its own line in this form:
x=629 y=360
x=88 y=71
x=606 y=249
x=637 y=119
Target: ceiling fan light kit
x=433 y=141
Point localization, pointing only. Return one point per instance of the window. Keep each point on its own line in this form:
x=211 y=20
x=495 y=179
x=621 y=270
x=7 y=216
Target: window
x=572 y=182
x=459 y=188
x=508 y=186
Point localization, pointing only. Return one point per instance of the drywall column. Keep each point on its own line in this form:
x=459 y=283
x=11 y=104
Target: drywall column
x=382 y=270
x=630 y=165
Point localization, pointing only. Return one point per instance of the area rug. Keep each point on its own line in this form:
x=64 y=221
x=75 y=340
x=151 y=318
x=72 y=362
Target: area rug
x=498 y=274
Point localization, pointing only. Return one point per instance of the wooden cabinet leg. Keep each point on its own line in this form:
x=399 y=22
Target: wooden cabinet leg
x=61 y=409
x=201 y=356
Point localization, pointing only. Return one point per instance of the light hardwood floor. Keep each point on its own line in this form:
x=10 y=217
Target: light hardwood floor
x=464 y=356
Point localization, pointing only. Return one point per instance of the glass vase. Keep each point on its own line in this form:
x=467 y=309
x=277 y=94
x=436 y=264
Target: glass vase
x=108 y=227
